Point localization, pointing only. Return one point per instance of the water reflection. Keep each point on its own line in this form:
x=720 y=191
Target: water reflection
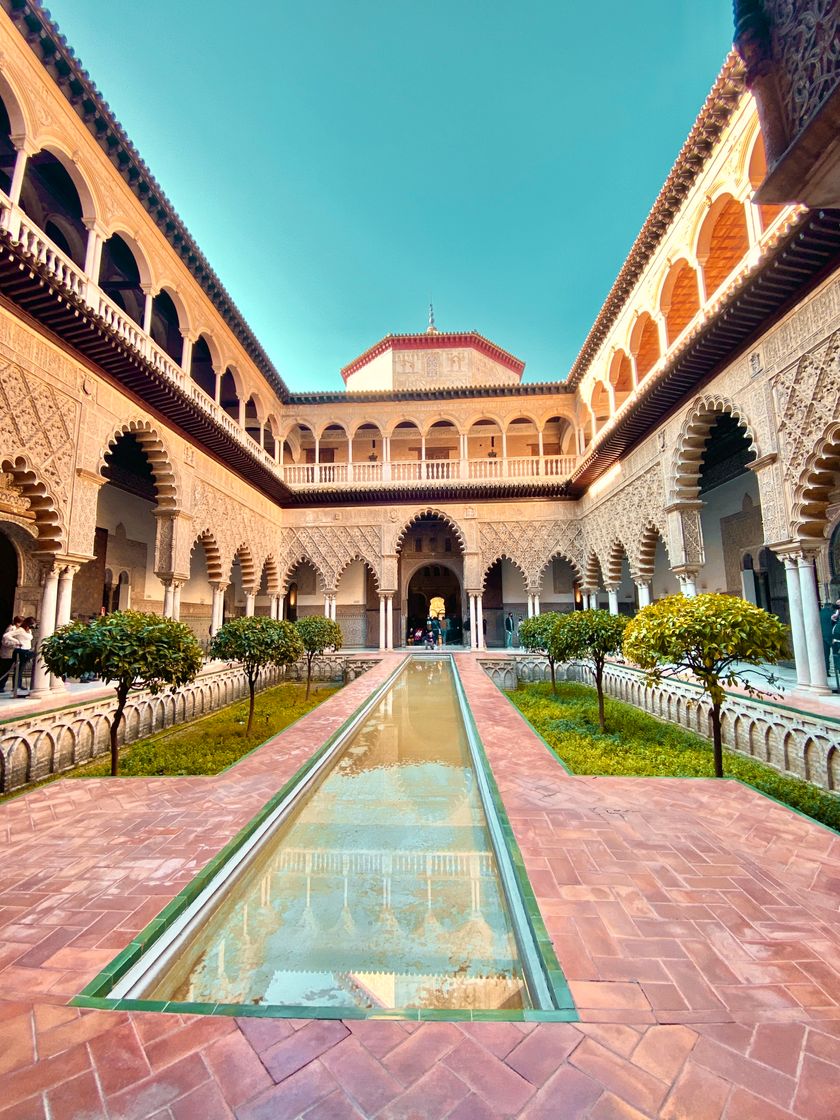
x=381 y=890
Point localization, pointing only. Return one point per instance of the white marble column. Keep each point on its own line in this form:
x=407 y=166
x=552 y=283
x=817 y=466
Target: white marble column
x=41 y=681
x=168 y=594
x=688 y=586
x=473 y=632
x=811 y=622
x=389 y=621
x=479 y=602
x=65 y=594
x=536 y=606
x=612 y=594
x=797 y=625
x=250 y=603
x=382 y=631
x=530 y=606
x=177 y=584
x=217 y=609
x=643 y=587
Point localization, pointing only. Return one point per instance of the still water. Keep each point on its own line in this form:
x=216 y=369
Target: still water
x=380 y=890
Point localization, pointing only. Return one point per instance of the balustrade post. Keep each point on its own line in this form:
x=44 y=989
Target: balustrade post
x=148 y=307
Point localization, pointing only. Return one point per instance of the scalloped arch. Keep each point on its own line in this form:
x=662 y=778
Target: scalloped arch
x=691 y=442
x=431 y=512
x=42 y=502
x=160 y=460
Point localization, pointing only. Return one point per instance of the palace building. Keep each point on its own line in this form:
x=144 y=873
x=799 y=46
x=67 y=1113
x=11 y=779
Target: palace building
x=153 y=457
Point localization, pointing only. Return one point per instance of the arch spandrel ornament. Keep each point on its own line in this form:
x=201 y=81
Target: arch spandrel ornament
x=807 y=403
x=331 y=549
x=530 y=545
x=623 y=517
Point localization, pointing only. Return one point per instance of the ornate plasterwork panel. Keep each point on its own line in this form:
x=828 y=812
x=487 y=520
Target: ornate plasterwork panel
x=807 y=402
x=623 y=518
x=231 y=525
x=331 y=549
x=531 y=545
x=39 y=422
x=804 y=40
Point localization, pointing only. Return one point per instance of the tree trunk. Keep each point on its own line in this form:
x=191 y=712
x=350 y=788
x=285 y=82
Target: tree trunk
x=553 y=678
x=308 y=673
x=599 y=685
x=251 y=689
x=122 y=697
x=717 y=741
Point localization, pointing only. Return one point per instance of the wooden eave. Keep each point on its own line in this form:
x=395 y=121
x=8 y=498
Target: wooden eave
x=556 y=489
x=464 y=392
x=713 y=118
x=800 y=260
x=26 y=284
x=50 y=46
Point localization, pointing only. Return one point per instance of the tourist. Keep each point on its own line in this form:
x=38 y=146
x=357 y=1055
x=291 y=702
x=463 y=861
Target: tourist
x=9 y=646
x=828 y=617
x=430 y=636
x=444 y=628
x=434 y=622
x=509 y=630
x=25 y=653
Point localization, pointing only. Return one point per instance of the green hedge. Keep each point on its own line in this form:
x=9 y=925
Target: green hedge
x=638 y=744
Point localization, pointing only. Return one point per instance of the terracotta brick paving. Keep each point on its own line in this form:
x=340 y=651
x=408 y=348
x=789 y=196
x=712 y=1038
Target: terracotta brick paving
x=695 y=920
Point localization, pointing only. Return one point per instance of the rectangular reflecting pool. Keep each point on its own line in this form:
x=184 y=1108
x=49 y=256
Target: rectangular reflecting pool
x=375 y=887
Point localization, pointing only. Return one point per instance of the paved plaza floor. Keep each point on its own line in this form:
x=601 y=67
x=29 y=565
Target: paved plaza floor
x=696 y=922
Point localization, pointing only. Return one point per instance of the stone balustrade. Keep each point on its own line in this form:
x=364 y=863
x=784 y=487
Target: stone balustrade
x=37 y=745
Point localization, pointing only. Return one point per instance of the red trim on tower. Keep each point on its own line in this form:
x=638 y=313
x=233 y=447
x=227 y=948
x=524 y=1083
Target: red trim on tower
x=463 y=339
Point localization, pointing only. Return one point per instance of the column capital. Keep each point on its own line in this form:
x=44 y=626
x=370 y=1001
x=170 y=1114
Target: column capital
x=219 y=584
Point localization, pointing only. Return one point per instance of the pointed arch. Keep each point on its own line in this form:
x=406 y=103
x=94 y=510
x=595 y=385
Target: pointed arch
x=247 y=566
x=49 y=520
x=362 y=559
x=159 y=457
x=212 y=555
x=497 y=557
x=819 y=479
x=431 y=512
x=646 y=551
x=294 y=562
x=691 y=442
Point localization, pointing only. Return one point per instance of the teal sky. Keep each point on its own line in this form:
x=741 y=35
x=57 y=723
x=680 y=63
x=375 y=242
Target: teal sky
x=339 y=161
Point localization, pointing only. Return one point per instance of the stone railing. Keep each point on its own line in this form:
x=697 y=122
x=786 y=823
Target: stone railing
x=791 y=741
x=402 y=471
x=35 y=746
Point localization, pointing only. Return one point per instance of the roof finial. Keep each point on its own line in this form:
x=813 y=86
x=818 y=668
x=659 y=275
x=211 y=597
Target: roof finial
x=431 y=329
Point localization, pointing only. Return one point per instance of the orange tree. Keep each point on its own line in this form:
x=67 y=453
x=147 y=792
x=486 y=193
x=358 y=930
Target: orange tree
x=256 y=642
x=710 y=637
x=128 y=649
x=535 y=636
x=317 y=633
x=590 y=637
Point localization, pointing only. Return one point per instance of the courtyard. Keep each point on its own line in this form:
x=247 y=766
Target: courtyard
x=694 y=920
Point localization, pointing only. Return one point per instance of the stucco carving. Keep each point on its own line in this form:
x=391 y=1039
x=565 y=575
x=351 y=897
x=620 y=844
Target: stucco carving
x=331 y=550
x=808 y=400
x=530 y=546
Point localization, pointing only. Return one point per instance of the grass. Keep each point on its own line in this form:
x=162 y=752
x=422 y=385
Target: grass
x=212 y=743
x=638 y=744
x=206 y=745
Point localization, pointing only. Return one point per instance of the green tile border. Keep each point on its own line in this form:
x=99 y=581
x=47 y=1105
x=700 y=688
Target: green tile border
x=553 y=972
x=94 y=994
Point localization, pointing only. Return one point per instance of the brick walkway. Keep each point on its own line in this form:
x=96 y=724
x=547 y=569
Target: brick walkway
x=695 y=920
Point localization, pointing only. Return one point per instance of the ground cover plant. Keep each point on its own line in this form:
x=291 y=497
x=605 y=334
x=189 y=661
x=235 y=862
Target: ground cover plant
x=640 y=745
x=212 y=743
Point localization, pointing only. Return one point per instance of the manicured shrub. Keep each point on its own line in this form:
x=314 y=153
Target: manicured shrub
x=256 y=643
x=590 y=637
x=708 y=636
x=535 y=636
x=318 y=634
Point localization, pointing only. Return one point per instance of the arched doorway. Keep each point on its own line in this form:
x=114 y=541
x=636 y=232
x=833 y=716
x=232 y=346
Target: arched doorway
x=434 y=591
x=431 y=568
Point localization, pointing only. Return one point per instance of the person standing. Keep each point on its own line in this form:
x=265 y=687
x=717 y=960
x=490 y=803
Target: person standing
x=25 y=652
x=9 y=646
x=509 y=630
